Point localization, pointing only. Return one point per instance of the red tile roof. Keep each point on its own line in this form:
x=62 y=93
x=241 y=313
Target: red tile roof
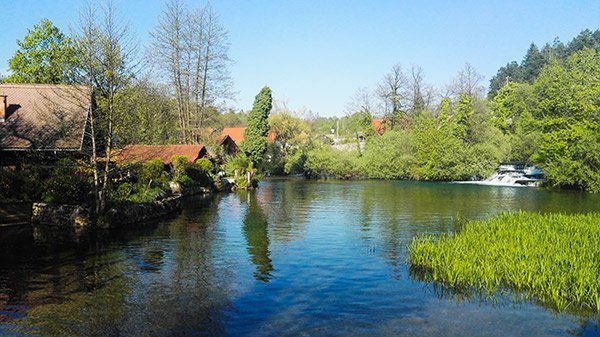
x=237 y=134
x=378 y=125
x=142 y=153
x=44 y=116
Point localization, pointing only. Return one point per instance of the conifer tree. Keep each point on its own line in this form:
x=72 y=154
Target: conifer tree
x=255 y=136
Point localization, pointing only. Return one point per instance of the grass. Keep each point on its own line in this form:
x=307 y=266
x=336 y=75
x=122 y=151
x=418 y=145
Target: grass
x=554 y=257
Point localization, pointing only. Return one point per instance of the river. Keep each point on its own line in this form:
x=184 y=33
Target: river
x=295 y=257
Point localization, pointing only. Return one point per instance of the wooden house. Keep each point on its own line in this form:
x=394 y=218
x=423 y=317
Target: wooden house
x=43 y=122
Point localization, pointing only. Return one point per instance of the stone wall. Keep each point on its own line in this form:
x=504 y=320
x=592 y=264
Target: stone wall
x=69 y=223
x=126 y=214
x=59 y=223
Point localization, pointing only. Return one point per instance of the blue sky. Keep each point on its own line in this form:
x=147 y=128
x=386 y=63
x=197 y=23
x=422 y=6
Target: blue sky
x=316 y=54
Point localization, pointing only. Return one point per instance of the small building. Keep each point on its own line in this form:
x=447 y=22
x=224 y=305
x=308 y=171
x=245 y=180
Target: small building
x=378 y=125
x=143 y=153
x=231 y=139
x=44 y=122
x=236 y=134
x=228 y=144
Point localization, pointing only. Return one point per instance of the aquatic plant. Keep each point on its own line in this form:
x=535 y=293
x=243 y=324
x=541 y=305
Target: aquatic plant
x=554 y=257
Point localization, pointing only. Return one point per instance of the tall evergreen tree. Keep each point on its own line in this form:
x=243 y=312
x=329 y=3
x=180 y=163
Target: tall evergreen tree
x=532 y=63
x=255 y=136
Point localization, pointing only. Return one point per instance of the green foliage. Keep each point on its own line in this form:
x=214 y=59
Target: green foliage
x=123 y=191
x=535 y=59
x=232 y=118
x=23 y=184
x=463 y=121
x=255 y=135
x=45 y=55
x=153 y=173
x=568 y=110
x=145 y=115
x=145 y=194
x=438 y=153
x=388 y=156
x=293 y=138
x=178 y=165
x=555 y=257
x=148 y=182
x=570 y=155
x=293 y=163
x=67 y=184
x=325 y=162
x=238 y=167
x=205 y=165
x=199 y=173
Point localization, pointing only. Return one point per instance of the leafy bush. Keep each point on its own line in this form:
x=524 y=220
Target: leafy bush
x=388 y=156
x=123 y=192
x=23 y=184
x=67 y=184
x=205 y=165
x=178 y=165
x=147 y=194
x=237 y=165
x=185 y=180
x=153 y=173
x=325 y=162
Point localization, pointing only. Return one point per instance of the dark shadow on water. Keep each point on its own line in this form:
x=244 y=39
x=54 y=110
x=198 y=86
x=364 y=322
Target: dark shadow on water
x=149 y=279
x=255 y=228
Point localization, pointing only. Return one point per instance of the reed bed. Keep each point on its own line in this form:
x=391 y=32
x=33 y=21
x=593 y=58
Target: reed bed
x=554 y=257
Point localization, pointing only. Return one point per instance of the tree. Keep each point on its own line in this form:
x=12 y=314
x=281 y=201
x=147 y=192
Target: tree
x=191 y=47
x=532 y=63
x=569 y=110
x=420 y=93
x=107 y=61
x=362 y=100
x=45 y=55
x=511 y=72
x=255 y=135
x=467 y=82
x=291 y=140
x=391 y=92
x=145 y=114
x=463 y=113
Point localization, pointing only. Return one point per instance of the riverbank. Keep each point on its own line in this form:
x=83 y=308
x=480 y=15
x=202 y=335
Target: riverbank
x=555 y=257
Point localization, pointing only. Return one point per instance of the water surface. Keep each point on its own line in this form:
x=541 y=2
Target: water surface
x=295 y=258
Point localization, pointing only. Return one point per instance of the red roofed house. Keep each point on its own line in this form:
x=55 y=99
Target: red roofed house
x=378 y=125
x=46 y=119
x=231 y=138
x=143 y=153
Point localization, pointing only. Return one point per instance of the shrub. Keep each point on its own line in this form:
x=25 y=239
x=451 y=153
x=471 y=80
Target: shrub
x=325 y=162
x=145 y=194
x=205 y=165
x=237 y=164
x=123 y=192
x=178 y=166
x=153 y=173
x=68 y=183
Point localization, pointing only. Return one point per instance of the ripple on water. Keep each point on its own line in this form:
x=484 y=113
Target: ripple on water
x=295 y=257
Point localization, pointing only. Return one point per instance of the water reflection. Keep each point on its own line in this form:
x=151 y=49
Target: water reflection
x=294 y=257
x=255 y=228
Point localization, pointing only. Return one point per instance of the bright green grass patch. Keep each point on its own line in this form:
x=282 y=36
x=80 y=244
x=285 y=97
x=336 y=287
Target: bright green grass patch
x=555 y=257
